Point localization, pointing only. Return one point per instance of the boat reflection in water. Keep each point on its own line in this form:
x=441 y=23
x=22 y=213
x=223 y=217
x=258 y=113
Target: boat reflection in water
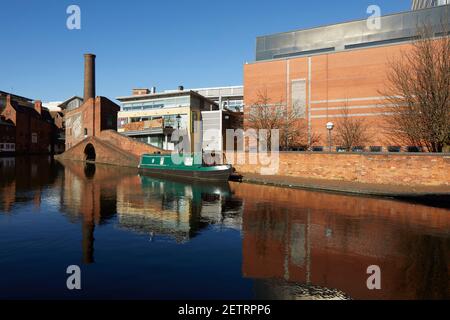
x=178 y=209
x=166 y=208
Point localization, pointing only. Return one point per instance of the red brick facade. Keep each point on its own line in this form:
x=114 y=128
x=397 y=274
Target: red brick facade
x=353 y=79
x=7 y=136
x=35 y=129
x=94 y=116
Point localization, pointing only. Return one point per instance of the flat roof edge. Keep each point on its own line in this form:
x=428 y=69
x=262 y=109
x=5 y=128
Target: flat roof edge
x=355 y=20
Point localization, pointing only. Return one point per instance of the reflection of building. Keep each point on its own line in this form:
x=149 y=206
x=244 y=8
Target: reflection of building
x=30 y=174
x=90 y=195
x=324 y=72
x=174 y=208
x=164 y=208
x=151 y=117
x=297 y=240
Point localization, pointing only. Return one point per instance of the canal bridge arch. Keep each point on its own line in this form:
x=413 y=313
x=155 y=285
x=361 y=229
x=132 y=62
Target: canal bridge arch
x=89 y=152
x=109 y=147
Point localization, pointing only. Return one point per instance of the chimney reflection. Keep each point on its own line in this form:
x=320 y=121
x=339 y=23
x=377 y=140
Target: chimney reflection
x=90 y=195
x=88 y=229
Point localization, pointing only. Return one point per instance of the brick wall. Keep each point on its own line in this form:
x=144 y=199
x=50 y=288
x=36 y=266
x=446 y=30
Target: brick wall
x=128 y=144
x=90 y=119
x=396 y=169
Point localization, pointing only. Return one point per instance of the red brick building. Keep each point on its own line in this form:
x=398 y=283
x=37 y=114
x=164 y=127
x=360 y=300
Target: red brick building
x=7 y=136
x=96 y=114
x=35 y=130
x=327 y=70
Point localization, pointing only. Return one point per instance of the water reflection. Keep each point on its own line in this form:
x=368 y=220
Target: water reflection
x=285 y=244
x=176 y=208
x=142 y=204
x=329 y=241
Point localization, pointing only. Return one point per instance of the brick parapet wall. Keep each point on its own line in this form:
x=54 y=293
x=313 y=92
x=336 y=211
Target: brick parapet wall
x=128 y=144
x=396 y=169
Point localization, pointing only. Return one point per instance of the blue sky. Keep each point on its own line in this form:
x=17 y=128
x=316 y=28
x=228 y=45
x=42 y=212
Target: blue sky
x=146 y=43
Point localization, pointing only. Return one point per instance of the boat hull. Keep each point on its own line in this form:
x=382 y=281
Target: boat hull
x=219 y=173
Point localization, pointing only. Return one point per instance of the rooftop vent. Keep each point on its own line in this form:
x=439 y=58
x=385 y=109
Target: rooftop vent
x=140 y=91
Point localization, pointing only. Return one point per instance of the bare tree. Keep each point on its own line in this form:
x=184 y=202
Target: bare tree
x=351 y=131
x=265 y=114
x=418 y=91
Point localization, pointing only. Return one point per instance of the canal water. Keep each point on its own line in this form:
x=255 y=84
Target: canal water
x=141 y=237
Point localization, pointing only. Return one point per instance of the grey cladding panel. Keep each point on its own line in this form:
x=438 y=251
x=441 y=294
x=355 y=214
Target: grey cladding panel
x=397 y=26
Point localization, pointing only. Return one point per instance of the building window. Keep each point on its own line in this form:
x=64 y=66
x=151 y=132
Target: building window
x=376 y=149
x=34 y=137
x=298 y=97
x=109 y=122
x=394 y=148
x=85 y=132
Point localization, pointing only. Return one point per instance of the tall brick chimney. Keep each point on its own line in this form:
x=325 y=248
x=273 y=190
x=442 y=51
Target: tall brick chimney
x=38 y=106
x=89 y=76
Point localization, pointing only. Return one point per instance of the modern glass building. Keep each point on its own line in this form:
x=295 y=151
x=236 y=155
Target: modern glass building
x=151 y=117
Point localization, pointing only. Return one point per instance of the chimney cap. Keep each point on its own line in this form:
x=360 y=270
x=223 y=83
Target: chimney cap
x=89 y=55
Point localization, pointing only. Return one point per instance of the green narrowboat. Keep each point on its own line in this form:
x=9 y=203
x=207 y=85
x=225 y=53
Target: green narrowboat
x=183 y=167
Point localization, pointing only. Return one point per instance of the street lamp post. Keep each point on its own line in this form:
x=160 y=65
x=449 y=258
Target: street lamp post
x=177 y=143
x=178 y=121
x=330 y=126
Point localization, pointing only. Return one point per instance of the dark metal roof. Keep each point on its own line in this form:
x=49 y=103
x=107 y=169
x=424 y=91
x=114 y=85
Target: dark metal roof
x=44 y=115
x=4 y=93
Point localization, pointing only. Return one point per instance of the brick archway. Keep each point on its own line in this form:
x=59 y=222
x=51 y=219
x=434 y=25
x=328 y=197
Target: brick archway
x=89 y=152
